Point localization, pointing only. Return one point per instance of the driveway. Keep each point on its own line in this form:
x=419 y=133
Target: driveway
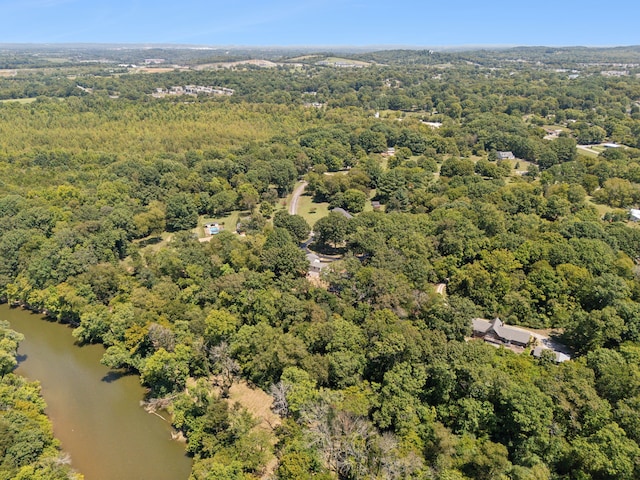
x=293 y=206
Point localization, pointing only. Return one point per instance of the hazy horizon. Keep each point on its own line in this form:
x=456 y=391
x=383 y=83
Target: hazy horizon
x=320 y=23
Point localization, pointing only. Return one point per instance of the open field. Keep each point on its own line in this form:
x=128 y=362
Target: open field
x=18 y=100
x=255 y=62
x=302 y=58
x=346 y=60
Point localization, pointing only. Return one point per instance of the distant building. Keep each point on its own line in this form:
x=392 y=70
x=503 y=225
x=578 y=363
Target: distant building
x=192 y=90
x=506 y=156
x=610 y=145
x=376 y=204
x=497 y=332
x=634 y=215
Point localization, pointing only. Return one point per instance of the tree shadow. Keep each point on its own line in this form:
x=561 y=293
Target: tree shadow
x=327 y=250
x=115 y=375
x=150 y=241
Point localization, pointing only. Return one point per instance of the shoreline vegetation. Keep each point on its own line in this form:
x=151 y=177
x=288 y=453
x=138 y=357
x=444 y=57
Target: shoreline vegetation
x=509 y=177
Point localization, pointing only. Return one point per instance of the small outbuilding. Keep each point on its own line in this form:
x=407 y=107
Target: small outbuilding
x=558 y=357
x=634 y=215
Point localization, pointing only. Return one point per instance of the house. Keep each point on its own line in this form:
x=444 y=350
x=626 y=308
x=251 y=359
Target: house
x=375 y=204
x=610 y=145
x=558 y=357
x=634 y=215
x=315 y=265
x=506 y=156
x=496 y=331
x=391 y=151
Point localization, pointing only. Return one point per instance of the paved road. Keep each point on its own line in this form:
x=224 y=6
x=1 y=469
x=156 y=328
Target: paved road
x=293 y=206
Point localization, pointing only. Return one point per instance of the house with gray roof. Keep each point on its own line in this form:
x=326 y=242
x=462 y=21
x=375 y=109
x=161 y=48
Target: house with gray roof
x=343 y=212
x=558 y=357
x=506 y=155
x=315 y=265
x=496 y=331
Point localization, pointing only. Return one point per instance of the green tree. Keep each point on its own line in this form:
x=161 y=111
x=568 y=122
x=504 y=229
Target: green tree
x=296 y=225
x=331 y=229
x=181 y=212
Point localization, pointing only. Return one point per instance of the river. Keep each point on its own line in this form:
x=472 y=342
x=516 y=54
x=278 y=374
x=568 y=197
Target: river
x=96 y=414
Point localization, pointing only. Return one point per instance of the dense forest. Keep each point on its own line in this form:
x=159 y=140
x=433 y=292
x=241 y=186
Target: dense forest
x=504 y=177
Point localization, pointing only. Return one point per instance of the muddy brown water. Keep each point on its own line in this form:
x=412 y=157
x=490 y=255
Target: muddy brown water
x=96 y=413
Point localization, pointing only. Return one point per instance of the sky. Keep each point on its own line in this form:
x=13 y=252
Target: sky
x=425 y=23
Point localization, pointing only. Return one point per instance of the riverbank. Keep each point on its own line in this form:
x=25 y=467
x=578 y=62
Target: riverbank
x=96 y=415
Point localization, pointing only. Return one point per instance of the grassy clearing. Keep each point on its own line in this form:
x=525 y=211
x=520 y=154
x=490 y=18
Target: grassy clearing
x=345 y=60
x=310 y=211
x=154 y=243
x=367 y=206
x=228 y=222
x=522 y=165
x=601 y=208
x=19 y=100
x=258 y=403
x=588 y=151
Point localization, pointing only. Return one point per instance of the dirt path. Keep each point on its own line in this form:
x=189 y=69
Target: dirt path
x=293 y=206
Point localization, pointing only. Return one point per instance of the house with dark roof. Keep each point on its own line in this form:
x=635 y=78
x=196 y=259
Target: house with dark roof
x=497 y=332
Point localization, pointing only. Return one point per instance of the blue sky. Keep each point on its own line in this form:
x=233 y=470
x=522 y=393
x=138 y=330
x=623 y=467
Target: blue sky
x=322 y=22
